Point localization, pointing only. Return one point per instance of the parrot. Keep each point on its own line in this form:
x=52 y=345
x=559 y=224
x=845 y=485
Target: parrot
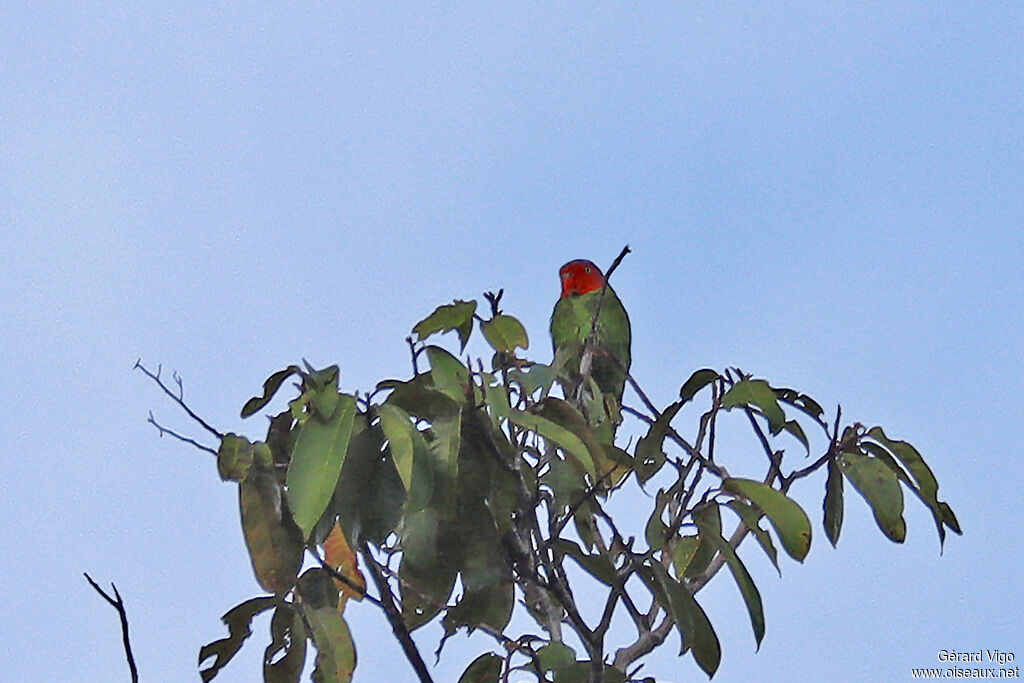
x=592 y=377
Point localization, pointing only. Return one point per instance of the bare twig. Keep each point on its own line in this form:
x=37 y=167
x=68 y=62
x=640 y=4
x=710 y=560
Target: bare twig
x=592 y=337
x=118 y=604
x=170 y=432
x=643 y=396
x=616 y=262
x=495 y=301
x=415 y=353
x=178 y=397
x=773 y=457
x=833 y=444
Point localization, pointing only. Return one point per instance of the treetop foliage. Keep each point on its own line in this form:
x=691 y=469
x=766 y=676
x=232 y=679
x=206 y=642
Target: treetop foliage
x=471 y=490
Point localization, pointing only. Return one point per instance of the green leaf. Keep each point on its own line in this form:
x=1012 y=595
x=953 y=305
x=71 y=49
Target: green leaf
x=450 y=376
x=656 y=531
x=399 y=431
x=484 y=669
x=287 y=635
x=422 y=535
x=488 y=592
x=489 y=606
x=694 y=627
x=496 y=395
x=443 y=447
x=948 y=518
x=686 y=550
x=429 y=567
x=566 y=482
x=880 y=487
x=794 y=428
x=583 y=521
x=833 y=504
x=456 y=316
x=561 y=436
x=650 y=456
x=239 y=623
x=559 y=659
x=369 y=495
x=610 y=464
x=234 y=457
x=420 y=398
x=320 y=390
x=709 y=516
x=757 y=393
x=335 y=651
x=317 y=589
x=274 y=542
x=504 y=333
x=281 y=437
x=613 y=675
x=877 y=450
x=801 y=402
x=421 y=492
x=751 y=516
x=316 y=462
x=270 y=387
x=487 y=487
x=748 y=590
x=555 y=656
x=927 y=485
x=788 y=518
x=534 y=377
x=697 y=381
x=597 y=564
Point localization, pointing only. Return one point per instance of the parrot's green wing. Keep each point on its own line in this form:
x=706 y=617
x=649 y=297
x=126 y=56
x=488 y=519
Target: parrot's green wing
x=609 y=360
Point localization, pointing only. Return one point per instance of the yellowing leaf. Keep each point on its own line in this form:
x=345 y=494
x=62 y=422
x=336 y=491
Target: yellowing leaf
x=343 y=560
x=273 y=540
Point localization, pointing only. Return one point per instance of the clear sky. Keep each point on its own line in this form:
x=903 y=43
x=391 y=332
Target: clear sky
x=830 y=195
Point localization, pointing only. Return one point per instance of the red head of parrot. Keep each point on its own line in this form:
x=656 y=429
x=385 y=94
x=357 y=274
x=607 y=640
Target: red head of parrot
x=580 y=277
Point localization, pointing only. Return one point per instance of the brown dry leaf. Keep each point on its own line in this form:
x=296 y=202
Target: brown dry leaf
x=339 y=555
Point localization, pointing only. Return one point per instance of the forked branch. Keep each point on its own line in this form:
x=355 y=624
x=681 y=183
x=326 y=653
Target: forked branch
x=117 y=603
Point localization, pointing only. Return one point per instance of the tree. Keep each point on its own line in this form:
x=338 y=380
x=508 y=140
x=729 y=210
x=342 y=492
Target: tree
x=468 y=491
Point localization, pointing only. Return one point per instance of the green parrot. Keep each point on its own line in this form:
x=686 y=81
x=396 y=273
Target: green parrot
x=592 y=377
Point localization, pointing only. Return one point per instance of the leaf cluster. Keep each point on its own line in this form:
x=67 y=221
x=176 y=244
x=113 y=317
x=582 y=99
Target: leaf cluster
x=470 y=491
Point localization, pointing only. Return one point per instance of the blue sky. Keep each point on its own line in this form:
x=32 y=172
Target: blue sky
x=831 y=197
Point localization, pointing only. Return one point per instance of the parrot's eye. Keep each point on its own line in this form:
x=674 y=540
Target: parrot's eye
x=587 y=269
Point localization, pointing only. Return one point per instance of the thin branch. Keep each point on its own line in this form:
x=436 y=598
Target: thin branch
x=170 y=432
x=592 y=337
x=643 y=645
x=118 y=604
x=335 y=574
x=617 y=261
x=670 y=433
x=414 y=353
x=387 y=602
x=178 y=398
x=652 y=638
x=797 y=474
x=773 y=457
x=643 y=396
